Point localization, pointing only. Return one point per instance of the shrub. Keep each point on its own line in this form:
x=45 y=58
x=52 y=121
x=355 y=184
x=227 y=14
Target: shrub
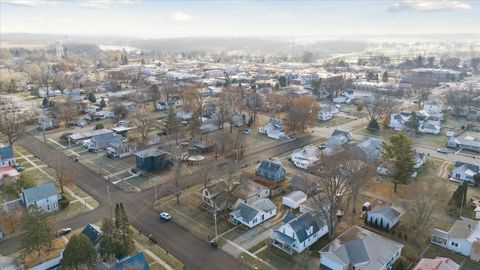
x=373 y=125
x=99 y=126
x=63 y=202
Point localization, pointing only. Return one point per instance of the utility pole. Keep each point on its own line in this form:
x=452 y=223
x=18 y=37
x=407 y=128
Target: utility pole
x=99 y=164
x=109 y=201
x=216 y=231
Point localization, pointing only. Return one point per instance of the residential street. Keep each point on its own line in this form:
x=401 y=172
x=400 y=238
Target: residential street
x=194 y=252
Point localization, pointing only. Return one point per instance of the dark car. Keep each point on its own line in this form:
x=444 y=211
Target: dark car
x=152 y=239
x=64 y=231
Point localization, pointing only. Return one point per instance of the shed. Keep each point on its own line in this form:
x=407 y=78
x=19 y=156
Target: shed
x=294 y=199
x=202 y=147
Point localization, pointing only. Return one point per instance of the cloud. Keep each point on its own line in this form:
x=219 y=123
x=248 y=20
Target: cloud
x=429 y=6
x=97 y=4
x=24 y=3
x=180 y=16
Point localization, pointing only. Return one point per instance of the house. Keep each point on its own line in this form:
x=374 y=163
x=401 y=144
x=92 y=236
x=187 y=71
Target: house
x=308 y=186
x=338 y=139
x=8 y=175
x=434 y=107
x=305 y=157
x=44 y=196
x=431 y=127
x=85 y=135
x=202 y=147
x=420 y=159
x=215 y=195
x=294 y=199
x=274 y=130
x=102 y=141
x=439 y=263
x=462 y=237
x=325 y=115
x=466 y=143
x=136 y=262
x=6 y=156
x=93 y=232
x=384 y=216
x=464 y=172
x=253 y=213
x=369 y=150
x=120 y=151
x=298 y=232
x=271 y=170
x=153 y=159
x=358 y=248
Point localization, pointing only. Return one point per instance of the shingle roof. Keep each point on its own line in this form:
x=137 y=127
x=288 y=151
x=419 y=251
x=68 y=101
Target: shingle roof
x=462 y=228
x=44 y=191
x=296 y=196
x=246 y=212
x=267 y=165
x=151 y=152
x=137 y=262
x=6 y=152
x=304 y=222
x=264 y=205
x=467 y=166
x=107 y=137
x=92 y=232
x=386 y=211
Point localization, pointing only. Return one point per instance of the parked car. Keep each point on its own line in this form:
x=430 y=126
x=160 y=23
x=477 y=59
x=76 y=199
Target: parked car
x=165 y=216
x=64 y=231
x=442 y=150
x=322 y=146
x=247 y=131
x=20 y=168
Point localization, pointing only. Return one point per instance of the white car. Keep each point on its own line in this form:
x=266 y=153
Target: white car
x=442 y=150
x=165 y=216
x=64 y=231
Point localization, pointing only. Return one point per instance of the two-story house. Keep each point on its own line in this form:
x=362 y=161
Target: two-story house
x=44 y=196
x=6 y=156
x=464 y=172
x=271 y=170
x=462 y=237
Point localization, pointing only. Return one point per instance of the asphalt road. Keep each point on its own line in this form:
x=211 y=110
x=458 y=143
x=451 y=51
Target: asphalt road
x=194 y=252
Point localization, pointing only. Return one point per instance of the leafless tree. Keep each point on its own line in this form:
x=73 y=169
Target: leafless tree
x=231 y=104
x=12 y=127
x=302 y=112
x=381 y=105
x=144 y=124
x=67 y=111
x=204 y=172
x=64 y=175
x=335 y=174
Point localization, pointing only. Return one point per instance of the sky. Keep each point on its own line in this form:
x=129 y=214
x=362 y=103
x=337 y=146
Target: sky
x=261 y=18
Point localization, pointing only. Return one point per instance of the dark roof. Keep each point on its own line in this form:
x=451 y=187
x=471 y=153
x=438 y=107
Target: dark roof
x=467 y=166
x=246 y=212
x=338 y=132
x=289 y=216
x=271 y=166
x=150 y=152
x=6 y=152
x=201 y=145
x=302 y=223
x=39 y=192
x=386 y=211
x=137 y=262
x=92 y=232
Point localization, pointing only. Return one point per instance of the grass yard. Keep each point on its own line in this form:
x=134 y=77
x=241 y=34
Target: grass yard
x=284 y=261
x=72 y=210
x=335 y=121
x=253 y=263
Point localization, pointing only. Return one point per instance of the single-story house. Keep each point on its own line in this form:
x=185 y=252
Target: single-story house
x=153 y=159
x=358 y=248
x=8 y=175
x=253 y=213
x=101 y=142
x=439 y=263
x=93 y=232
x=369 y=150
x=305 y=157
x=298 y=232
x=302 y=183
x=464 y=172
x=202 y=147
x=273 y=131
x=461 y=238
x=338 y=139
x=294 y=199
x=384 y=216
x=44 y=196
x=85 y=135
x=271 y=170
x=432 y=127
x=6 y=156
x=466 y=143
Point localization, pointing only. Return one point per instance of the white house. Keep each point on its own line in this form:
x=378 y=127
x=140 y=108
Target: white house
x=214 y=196
x=298 y=232
x=358 y=248
x=464 y=172
x=325 y=115
x=465 y=143
x=294 y=199
x=305 y=157
x=44 y=196
x=253 y=213
x=384 y=216
x=274 y=130
x=431 y=127
x=461 y=237
x=434 y=108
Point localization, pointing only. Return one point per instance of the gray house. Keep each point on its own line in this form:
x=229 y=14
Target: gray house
x=338 y=139
x=369 y=150
x=92 y=232
x=44 y=197
x=384 y=216
x=103 y=141
x=464 y=172
x=466 y=143
x=358 y=248
x=271 y=171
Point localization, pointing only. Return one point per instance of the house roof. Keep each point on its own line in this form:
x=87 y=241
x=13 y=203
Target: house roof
x=150 y=152
x=296 y=196
x=270 y=166
x=6 y=152
x=92 y=232
x=264 y=205
x=439 y=263
x=462 y=228
x=386 y=211
x=301 y=183
x=137 y=262
x=107 y=137
x=216 y=188
x=467 y=166
x=40 y=192
x=360 y=246
x=8 y=170
x=246 y=212
x=371 y=149
x=304 y=222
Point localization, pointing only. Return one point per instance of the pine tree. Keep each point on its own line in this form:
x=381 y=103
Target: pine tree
x=103 y=103
x=45 y=102
x=172 y=123
x=373 y=125
x=125 y=239
x=399 y=155
x=91 y=97
x=458 y=199
x=412 y=122
x=385 y=76
x=37 y=230
x=79 y=254
x=108 y=240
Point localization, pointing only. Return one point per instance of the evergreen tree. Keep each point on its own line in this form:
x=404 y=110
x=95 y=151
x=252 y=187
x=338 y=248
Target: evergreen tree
x=476 y=179
x=103 y=103
x=373 y=125
x=37 y=230
x=108 y=240
x=172 y=123
x=458 y=199
x=399 y=155
x=124 y=235
x=228 y=82
x=412 y=122
x=91 y=97
x=79 y=254
x=45 y=102
x=385 y=77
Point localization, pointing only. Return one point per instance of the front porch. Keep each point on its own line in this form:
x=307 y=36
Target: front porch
x=283 y=242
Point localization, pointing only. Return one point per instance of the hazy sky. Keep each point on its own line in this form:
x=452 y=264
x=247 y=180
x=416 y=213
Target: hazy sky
x=161 y=18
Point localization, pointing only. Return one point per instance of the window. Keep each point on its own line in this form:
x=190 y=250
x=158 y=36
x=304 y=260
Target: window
x=455 y=244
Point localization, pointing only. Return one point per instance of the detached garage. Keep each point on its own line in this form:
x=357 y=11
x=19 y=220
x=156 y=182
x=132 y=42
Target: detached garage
x=294 y=199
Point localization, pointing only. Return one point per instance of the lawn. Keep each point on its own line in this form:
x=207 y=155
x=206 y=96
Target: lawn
x=335 y=121
x=253 y=263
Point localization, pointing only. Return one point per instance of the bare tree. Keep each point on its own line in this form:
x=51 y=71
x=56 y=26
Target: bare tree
x=177 y=160
x=380 y=106
x=67 y=111
x=231 y=104
x=302 y=113
x=12 y=127
x=205 y=174
x=64 y=175
x=335 y=174
x=144 y=124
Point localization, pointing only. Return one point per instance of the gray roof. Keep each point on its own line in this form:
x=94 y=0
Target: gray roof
x=462 y=228
x=370 y=149
x=440 y=233
x=268 y=165
x=150 y=152
x=92 y=232
x=246 y=212
x=6 y=152
x=360 y=246
x=44 y=191
x=386 y=211
x=264 y=205
x=303 y=222
x=467 y=166
x=107 y=138
x=296 y=195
